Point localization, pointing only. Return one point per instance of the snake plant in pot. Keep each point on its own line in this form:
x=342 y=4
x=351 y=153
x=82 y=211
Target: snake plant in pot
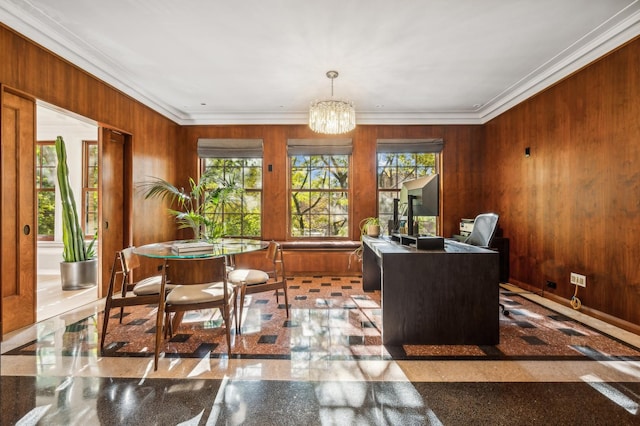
x=79 y=268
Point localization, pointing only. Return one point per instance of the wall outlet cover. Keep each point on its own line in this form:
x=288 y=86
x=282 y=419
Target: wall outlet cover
x=578 y=279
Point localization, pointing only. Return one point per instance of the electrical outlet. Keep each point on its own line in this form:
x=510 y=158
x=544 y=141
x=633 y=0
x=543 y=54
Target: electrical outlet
x=551 y=284
x=578 y=279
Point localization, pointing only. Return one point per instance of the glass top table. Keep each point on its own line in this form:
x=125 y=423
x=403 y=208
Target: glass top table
x=200 y=249
x=195 y=250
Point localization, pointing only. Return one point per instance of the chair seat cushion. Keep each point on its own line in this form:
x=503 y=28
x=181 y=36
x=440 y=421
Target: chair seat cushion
x=150 y=285
x=198 y=293
x=248 y=276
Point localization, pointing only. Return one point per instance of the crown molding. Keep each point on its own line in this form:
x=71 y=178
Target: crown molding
x=602 y=40
x=47 y=33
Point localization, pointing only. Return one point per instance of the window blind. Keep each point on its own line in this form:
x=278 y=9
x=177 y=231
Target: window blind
x=319 y=146
x=410 y=146
x=229 y=148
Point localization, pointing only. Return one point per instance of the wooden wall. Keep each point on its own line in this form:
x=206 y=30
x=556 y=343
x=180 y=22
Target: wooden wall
x=461 y=168
x=574 y=204
x=27 y=67
x=161 y=148
x=35 y=71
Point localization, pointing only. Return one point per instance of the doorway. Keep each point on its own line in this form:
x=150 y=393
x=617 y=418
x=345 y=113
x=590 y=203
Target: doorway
x=81 y=139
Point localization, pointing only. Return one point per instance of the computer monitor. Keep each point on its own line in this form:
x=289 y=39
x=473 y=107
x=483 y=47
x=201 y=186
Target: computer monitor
x=426 y=191
x=422 y=198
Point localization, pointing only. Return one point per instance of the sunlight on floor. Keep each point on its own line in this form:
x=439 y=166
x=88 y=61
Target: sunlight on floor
x=53 y=301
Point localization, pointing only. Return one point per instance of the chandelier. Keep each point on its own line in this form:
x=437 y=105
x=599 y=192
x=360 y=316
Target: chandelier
x=332 y=116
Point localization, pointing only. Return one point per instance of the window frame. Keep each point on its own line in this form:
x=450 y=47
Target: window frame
x=39 y=173
x=383 y=215
x=203 y=169
x=86 y=189
x=347 y=191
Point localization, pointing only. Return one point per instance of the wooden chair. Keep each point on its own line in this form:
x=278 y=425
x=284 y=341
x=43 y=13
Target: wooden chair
x=252 y=281
x=200 y=286
x=142 y=292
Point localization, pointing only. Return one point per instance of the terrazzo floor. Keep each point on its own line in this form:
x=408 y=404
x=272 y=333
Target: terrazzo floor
x=323 y=365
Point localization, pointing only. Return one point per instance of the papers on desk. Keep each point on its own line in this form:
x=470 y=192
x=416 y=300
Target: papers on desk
x=192 y=247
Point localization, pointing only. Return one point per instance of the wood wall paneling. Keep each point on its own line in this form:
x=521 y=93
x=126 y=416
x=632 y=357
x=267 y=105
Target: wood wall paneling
x=461 y=166
x=573 y=204
x=31 y=69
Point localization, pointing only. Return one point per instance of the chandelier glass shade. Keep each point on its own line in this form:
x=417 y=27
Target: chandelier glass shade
x=332 y=116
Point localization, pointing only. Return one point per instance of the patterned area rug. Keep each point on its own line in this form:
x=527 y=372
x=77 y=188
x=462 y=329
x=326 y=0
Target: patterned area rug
x=331 y=318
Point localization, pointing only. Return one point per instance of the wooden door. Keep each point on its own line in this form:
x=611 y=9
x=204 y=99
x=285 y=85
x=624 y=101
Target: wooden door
x=18 y=213
x=113 y=194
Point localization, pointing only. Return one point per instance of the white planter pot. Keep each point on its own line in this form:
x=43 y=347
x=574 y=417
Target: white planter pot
x=79 y=275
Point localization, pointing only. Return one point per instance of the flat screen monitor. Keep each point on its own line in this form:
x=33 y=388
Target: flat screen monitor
x=426 y=191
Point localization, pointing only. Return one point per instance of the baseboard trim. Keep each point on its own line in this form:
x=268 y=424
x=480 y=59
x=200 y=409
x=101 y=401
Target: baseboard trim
x=594 y=313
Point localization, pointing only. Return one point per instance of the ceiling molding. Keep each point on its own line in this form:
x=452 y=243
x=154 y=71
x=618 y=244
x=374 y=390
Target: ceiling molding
x=592 y=47
x=48 y=33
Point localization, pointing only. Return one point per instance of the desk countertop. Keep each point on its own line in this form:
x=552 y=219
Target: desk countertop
x=383 y=245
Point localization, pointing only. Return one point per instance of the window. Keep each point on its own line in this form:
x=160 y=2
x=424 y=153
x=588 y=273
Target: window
x=90 y=188
x=319 y=187
x=241 y=215
x=319 y=196
x=238 y=161
x=46 y=162
x=396 y=165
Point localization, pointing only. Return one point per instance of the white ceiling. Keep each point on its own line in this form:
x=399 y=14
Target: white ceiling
x=264 y=61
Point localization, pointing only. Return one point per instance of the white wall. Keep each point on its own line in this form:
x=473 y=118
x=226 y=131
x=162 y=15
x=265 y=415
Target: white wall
x=52 y=123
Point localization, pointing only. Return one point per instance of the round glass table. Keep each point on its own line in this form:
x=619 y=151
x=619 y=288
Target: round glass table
x=191 y=250
x=199 y=249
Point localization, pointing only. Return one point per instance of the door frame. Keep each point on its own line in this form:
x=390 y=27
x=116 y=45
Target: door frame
x=127 y=208
x=127 y=188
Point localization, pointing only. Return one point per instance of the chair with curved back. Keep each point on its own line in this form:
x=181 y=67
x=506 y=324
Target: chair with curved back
x=132 y=293
x=197 y=288
x=252 y=281
x=484 y=230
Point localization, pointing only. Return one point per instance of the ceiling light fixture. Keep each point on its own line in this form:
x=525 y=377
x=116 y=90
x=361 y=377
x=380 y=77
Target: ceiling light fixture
x=332 y=116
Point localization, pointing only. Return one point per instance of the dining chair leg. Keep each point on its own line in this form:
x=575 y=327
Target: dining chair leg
x=160 y=317
x=169 y=323
x=123 y=290
x=241 y=313
x=235 y=310
x=227 y=324
x=105 y=323
x=286 y=299
x=108 y=302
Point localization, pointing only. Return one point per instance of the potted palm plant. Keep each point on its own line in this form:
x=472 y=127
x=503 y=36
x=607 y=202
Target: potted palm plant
x=79 y=268
x=197 y=208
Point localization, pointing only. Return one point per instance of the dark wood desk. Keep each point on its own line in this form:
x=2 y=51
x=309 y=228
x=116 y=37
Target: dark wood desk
x=434 y=297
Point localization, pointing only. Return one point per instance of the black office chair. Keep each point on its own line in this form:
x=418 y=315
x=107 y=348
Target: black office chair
x=484 y=229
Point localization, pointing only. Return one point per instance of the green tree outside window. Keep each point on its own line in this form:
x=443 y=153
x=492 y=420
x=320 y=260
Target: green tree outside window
x=241 y=216
x=46 y=162
x=319 y=196
x=393 y=170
